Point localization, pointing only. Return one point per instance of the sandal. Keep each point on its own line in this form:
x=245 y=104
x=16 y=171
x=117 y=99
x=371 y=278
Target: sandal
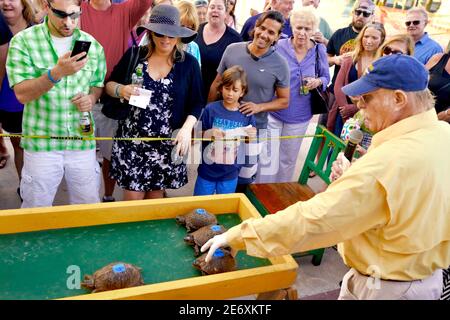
x=3 y=160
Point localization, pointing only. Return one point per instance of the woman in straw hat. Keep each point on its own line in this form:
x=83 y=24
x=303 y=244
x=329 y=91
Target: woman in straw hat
x=145 y=169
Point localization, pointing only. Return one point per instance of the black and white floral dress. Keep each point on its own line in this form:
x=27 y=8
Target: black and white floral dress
x=148 y=166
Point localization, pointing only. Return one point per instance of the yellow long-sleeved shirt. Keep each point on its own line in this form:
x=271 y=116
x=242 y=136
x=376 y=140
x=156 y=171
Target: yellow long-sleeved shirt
x=390 y=212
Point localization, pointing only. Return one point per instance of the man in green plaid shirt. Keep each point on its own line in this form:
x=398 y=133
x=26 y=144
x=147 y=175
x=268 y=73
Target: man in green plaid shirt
x=56 y=89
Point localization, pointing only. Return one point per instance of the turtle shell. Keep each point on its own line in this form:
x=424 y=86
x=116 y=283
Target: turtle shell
x=222 y=261
x=201 y=236
x=117 y=275
x=196 y=219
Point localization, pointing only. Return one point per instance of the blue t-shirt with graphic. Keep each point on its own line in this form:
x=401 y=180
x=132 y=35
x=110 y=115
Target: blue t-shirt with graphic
x=216 y=116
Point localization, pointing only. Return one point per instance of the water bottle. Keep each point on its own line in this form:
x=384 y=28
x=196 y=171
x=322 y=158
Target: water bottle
x=303 y=87
x=86 y=127
x=138 y=76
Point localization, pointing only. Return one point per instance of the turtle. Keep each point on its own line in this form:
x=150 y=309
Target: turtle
x=117 y=275
x=196 y=219
x=222 y=261
x=201 y=236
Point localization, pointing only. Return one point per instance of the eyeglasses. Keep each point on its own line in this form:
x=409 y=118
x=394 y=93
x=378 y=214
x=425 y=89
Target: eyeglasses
x=62 y=14
x=201 y=3
x=159 y=35
x=415 y=22
x=363 y=99
x=366 y=14
x=388 y=51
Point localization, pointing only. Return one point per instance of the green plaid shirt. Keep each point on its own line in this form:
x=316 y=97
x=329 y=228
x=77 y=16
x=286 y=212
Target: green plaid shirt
x=31 y=54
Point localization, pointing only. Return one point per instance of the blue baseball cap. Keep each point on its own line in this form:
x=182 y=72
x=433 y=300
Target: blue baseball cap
x=394 y=72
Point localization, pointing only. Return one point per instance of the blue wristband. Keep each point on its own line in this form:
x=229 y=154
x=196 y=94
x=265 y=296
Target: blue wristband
x=49 y=75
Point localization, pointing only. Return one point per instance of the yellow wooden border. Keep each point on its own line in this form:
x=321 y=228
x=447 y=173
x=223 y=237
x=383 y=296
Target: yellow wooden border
x=281 y=274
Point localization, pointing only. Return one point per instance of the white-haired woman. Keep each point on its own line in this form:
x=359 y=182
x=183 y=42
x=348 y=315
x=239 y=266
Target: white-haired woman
x=302 y=55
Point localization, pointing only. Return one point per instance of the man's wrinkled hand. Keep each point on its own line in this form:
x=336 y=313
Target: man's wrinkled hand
x=340 y=165
x=213 y=244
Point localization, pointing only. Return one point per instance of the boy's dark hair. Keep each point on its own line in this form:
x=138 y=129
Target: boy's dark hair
x=272 y=15
x=230 y=76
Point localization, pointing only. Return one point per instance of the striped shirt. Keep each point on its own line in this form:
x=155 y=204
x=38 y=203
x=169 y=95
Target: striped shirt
x=31 y=54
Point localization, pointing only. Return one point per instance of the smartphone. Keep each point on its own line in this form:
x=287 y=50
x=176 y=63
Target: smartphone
x=79 y=47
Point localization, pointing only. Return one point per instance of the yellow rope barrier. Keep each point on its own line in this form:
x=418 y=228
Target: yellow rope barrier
x=149 y=139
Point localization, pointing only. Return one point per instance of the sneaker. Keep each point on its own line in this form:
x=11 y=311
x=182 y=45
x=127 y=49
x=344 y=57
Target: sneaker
x=108 y=199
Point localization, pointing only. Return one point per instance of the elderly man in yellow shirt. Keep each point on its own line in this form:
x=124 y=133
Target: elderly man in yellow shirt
x=389 y=212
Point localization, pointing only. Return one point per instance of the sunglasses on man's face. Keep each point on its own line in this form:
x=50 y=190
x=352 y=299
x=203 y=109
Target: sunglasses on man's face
x=62 y=14
x=159 y=35
x=388 y=51
x=366 y=14
x=415 y=22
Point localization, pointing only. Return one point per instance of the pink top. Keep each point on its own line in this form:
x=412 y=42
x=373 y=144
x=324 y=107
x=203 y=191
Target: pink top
x=112 y=27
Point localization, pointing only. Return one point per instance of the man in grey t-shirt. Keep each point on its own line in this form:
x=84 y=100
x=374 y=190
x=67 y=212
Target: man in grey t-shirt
x=268 y=79
x=265 y=75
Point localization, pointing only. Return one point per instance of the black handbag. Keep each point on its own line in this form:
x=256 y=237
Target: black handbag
x=113 y=108
x=320 y=100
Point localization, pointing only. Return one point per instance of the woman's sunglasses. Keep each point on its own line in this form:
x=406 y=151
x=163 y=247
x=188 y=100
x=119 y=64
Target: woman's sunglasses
x=62 y=14
x=366 y=14
x=159 y=35
x=415 y=22
x=388 y=51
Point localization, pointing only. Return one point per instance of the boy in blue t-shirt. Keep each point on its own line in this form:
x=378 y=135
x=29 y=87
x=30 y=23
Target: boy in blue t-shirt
x=219 y=170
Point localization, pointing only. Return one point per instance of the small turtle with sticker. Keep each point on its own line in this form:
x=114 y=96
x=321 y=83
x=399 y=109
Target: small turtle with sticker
x=201 y=236
x=114 y=276
x=221 y=261
x=196 y=219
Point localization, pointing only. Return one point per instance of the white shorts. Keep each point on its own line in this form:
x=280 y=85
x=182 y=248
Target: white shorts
x=104 y=127
x=43 y=171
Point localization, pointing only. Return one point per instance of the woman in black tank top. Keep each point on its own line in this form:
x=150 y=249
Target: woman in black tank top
x=439 y=84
